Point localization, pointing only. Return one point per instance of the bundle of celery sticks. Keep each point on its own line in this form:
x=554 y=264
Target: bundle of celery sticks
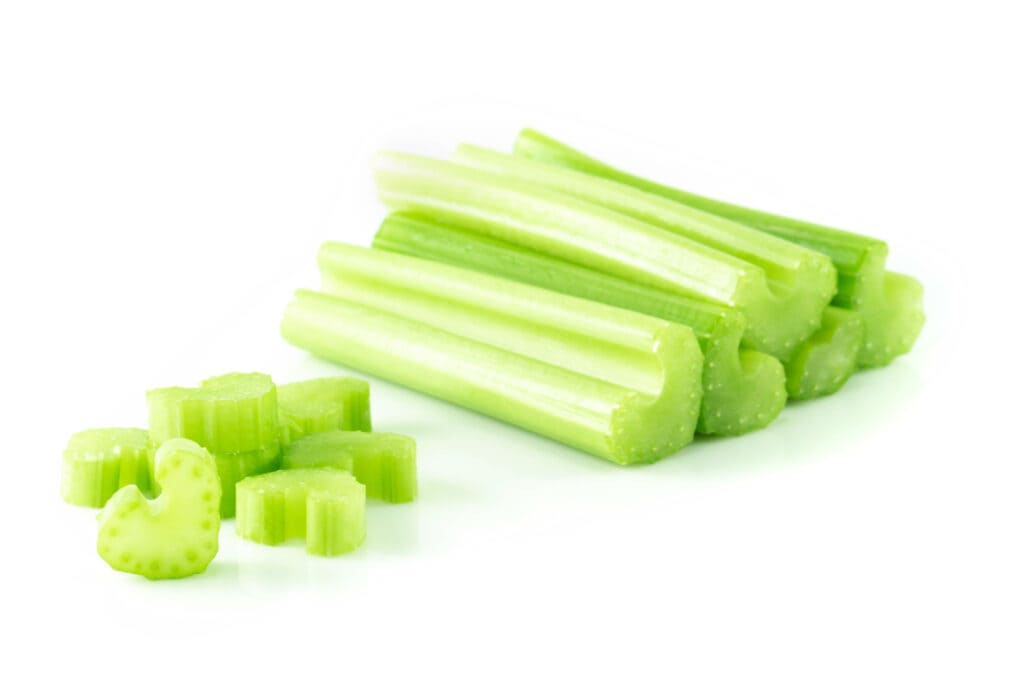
x=600 y=309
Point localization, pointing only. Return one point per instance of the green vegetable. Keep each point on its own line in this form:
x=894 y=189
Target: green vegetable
x=233 y=467
x=325 y=506
x=824 y=362
x=320 y=405
x=226 y=414
x=618 y=384
x=98 y=462
x=384 y=463
x=559 y=225
x=890 y=303
x=174 y=535
x=743 y=390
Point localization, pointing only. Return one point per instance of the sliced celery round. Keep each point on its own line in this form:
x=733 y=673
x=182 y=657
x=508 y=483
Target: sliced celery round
x=98 y=462
x=322 y=405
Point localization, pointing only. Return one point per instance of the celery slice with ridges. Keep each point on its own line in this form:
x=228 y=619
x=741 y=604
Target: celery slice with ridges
x=321 y=405
x=384 y=463
x=618 y=384
x=98 y=462
x=824 y=362
x=174 y=535
x=890 y=303
x=560 y=225
x=226 y=414
x=324 y=506
x=743 y=390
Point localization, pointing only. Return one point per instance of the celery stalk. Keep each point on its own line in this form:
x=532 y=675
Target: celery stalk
x=561 y=225
x=824 y=362
x=743 y=390
x=98 y=462
x=890 y=303
x=384 y=463
x=618 y=384
x=321 y=405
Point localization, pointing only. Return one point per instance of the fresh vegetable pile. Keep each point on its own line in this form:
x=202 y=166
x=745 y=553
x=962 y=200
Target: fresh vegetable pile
x=290 y=461
x=544 y=288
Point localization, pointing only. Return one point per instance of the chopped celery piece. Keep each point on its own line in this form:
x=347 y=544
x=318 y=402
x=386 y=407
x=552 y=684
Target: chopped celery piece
x=325 y=506
x=801 y=281
x=743 y=390
x=824 y=362
x=384 y=463
x=98 y=462
x=226 y=414
x=320 y=405
x=618 y=384
x=234 y=467
x=174 y=535
x=890 y=303
x=560 y=225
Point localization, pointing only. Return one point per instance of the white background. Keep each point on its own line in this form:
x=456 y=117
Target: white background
x=167 y=171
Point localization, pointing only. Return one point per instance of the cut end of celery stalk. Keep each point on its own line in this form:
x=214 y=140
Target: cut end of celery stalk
x=325 y=506
x=322 y=405
x=824 y=362
x=894 y=317
x=226 y=414
x=234 y=467
x=384 y=463
x=174 y=535
x=98 y=462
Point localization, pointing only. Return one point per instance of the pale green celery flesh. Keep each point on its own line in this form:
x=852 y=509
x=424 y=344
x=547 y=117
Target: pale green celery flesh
x=324 y=506
x=824 y=362
x=384 y=463
x=321 y=405
x=226 y=414
x=617 y=384
x=174 y=535
x=98 y=462
x=560 y=225
x=743 y=391
x=891 y=305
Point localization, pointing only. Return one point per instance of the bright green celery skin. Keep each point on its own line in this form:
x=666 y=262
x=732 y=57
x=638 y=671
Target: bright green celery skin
x=560 y=225
x=826 y=361
x=890 y=303
x=384 y=463
x=324 y=506
x=321 y=405
x=98 y=462
x=743 y=390
x=801 y=281
x=617 y=384
x=174 y=535
x=227 y=414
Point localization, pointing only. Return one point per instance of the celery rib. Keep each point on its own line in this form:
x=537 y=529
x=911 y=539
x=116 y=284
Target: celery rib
x=890 y=303
x=617 y=384
x=743 y=391
x=592 y=235
x=824 y=362
x=384 y=463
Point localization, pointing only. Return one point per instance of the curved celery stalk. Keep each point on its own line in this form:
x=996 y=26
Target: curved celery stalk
x=563 y=226
x=98 y=462
x=321 y=405
x=891 y=304
x=617 y=384
x=174 y=535
x=824 y=362
x=384 y=463
x=324 y=506
x=226 y=414
x=743 y=390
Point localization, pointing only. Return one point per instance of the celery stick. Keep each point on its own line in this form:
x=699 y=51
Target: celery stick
x=174 y=535
x=384 y=463
x=226 y=414
x=320 y=405
x=324 y=506
x=618 y=384
x=743 y=390
x=891 y=304
x=824 y=362
x=98 y=462
x=563 y=226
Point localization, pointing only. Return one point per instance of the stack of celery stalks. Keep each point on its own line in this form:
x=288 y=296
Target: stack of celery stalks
x=605 y=311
